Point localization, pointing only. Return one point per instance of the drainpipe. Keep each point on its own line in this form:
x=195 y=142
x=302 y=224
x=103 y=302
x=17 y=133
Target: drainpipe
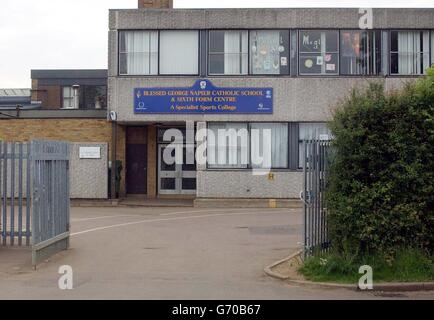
x=113 y=118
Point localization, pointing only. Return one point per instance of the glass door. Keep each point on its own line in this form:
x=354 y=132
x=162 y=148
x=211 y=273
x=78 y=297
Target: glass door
x=175 y=178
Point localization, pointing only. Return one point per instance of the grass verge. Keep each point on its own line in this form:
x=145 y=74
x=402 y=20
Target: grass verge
x=407 y=265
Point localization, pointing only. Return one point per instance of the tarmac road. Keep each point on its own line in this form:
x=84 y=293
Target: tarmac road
x=170 y=253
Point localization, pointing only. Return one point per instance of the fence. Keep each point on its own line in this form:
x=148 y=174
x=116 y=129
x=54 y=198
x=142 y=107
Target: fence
x=15 y=193
x=315 y=169
x=34 y=196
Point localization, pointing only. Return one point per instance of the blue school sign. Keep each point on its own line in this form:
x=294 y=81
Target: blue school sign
x=202 y=98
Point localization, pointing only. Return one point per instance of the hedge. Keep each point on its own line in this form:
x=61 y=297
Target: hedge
x=380 y=190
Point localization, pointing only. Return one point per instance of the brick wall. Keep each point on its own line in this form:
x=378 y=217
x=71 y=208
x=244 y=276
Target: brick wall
x=50 y=96
x=155 y=4
x=73 y=130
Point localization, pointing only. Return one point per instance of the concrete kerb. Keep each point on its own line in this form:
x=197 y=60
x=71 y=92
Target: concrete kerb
x=384 y=287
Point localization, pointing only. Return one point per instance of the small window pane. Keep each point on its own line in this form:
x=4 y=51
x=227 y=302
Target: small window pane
x=409 y=52
x=278 y=145
x=93 y=97
x=138 y=53
x=188 y=183
x=165 y=166
x=217 y=63
x=179 y=52
x=168 y=184
x=269 y=50
x=190 y=152
x=227 y=145
x=228 y=52
x=318 y=52
x=67 y=97
x=360 y=52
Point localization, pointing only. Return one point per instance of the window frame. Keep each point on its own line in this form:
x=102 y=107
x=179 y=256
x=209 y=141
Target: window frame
x=288 y=51
x=287 y=144
x=199 y=43
x=62 y=97
x=82 y=96
x=379 y=72
x=209 y=73
x=158 y=74
x=249 y=149
x=229 y=167
x=249 y=73
x=338 y=72
x=430 y=51
x=293 y=66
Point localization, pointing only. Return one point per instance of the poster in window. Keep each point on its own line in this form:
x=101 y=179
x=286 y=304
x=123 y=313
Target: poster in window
x=310 y=41
x=267 y=49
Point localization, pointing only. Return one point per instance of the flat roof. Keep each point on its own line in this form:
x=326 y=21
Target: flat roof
x=68 y=73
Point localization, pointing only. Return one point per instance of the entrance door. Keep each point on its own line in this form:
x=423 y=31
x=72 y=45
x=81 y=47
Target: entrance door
x=175 y=178
x=136 y=174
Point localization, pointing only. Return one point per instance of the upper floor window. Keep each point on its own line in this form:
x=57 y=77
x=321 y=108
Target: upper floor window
x=179 y=52
x=67 y=98
x=319 y=52
x=432 y=47
x=409 y=52
x=88 y=97
x=93 y=97
x=360 y=52
x=269 y=51
x=228 y=52
x=138 y=54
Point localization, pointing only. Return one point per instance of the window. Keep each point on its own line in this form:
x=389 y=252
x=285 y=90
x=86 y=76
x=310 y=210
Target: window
x=319 y=52
x=409 y=52
x=269 y=52
x=278 y=148
x=138 y=53
x=179 y=52
x=360 y=52
x=432 y=48
x=68 y=98
x=227 y=145
x=311 y=131
x=228 y=52
x=93 y=97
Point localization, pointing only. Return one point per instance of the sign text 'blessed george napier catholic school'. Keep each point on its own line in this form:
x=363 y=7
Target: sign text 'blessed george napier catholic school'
x=203 y=97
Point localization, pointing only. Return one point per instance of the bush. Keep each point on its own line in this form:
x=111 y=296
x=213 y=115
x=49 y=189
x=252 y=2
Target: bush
x=380 y=190
x=407 y=265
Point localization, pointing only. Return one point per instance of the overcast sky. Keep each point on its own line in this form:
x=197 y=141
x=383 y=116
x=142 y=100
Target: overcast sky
x=50 y=34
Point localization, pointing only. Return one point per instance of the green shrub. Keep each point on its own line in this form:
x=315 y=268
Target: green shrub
x=380 y=190
x=406 y=265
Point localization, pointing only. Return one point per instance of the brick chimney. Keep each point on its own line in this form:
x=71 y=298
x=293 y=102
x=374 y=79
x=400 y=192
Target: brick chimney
x=156 y=4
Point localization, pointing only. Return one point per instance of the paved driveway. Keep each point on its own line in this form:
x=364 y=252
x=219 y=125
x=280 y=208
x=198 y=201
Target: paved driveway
x=168 y=253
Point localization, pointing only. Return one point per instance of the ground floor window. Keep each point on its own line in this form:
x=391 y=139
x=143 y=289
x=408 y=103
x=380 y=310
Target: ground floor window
x=307 y=131
x=278 y=148
x=247 y=145
x=227 y=145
